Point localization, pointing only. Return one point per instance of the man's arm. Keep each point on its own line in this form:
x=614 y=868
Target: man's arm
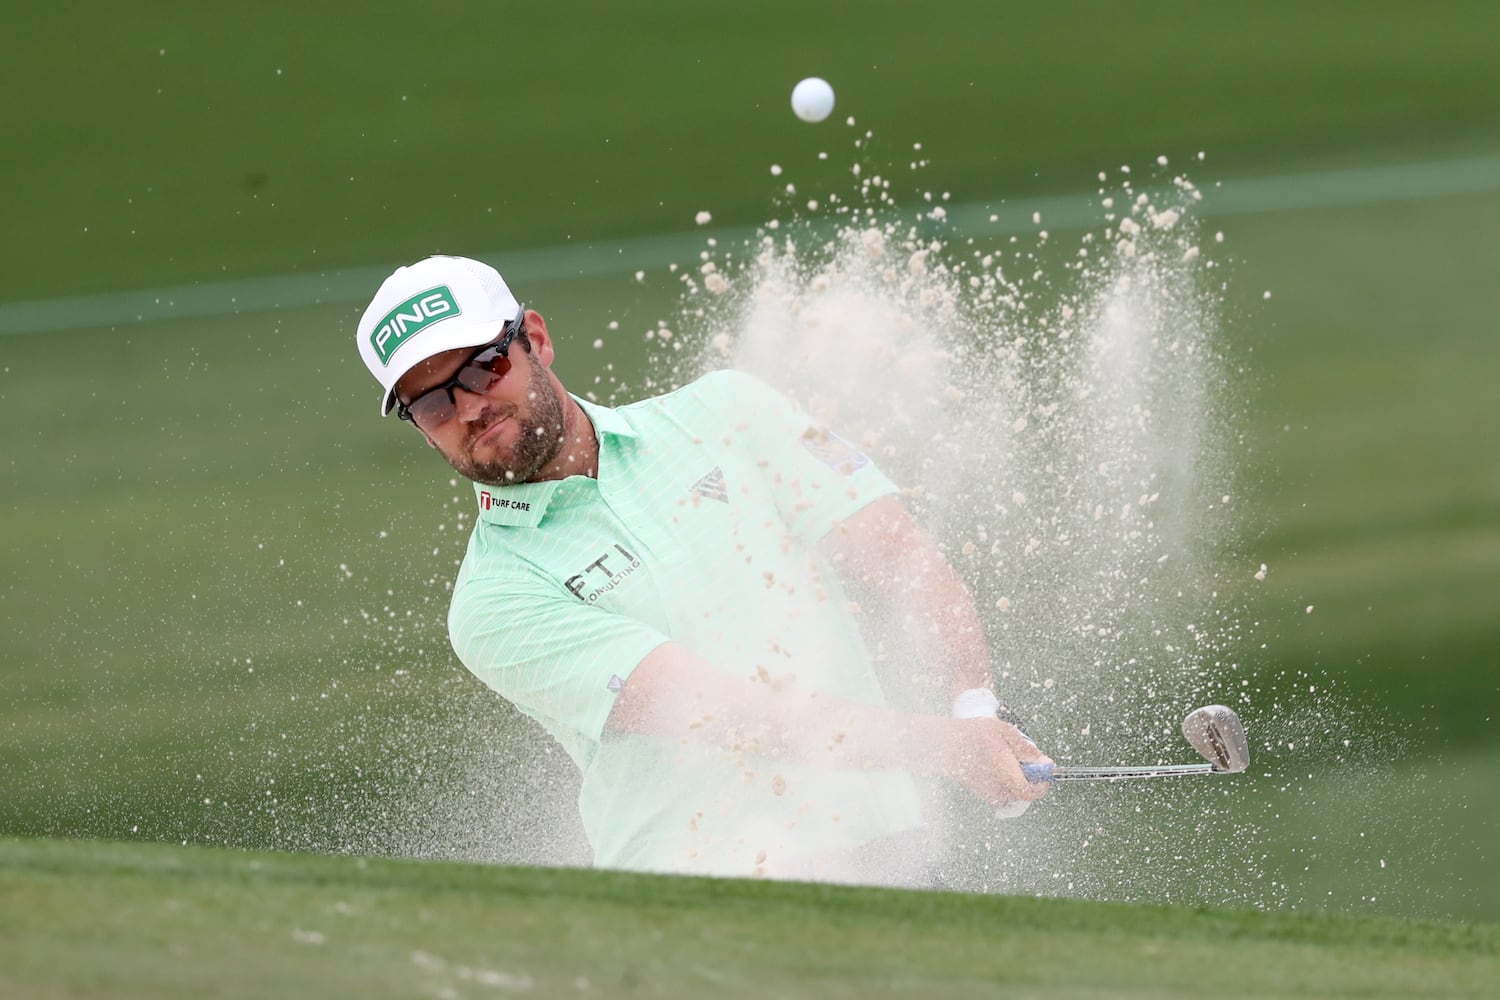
x=675 y=694
x=882 y=547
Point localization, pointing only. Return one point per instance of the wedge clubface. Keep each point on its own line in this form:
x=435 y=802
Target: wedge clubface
x=1219 y=735
x=1215 y=731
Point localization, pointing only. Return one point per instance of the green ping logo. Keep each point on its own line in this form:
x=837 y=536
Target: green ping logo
x=415 y=314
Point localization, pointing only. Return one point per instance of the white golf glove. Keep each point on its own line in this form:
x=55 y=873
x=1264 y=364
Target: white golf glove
x=979 y=703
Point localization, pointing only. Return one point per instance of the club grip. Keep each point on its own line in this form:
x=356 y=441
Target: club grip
x=1037 y=773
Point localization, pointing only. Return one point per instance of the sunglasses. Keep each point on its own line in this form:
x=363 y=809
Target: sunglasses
x=485 y=367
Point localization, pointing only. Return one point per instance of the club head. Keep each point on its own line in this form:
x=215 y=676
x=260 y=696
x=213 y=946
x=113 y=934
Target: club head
x=1219 y=735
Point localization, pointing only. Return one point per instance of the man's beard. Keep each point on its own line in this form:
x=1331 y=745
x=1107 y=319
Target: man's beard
x=538 y=440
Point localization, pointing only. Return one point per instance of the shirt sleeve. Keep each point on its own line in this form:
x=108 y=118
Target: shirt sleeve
x=816 y=477
x=558 y=660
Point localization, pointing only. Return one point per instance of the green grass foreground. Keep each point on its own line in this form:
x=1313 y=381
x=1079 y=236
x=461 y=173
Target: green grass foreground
x=100 y=919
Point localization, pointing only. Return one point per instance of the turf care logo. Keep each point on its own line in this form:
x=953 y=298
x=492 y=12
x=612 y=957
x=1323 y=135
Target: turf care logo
x=416 y=313
x=488 y=501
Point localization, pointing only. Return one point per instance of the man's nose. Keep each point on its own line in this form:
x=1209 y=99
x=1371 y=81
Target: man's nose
x=468 y=404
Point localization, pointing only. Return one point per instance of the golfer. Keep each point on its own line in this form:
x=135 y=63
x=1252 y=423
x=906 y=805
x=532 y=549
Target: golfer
x=666 y=588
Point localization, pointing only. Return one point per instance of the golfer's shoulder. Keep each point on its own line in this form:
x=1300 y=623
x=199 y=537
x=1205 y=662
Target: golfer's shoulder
x=505 y=585
x=493 y=568
x=727 y=383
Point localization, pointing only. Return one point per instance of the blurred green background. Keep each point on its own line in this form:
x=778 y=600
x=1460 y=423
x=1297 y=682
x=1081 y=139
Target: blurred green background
x=224 y=580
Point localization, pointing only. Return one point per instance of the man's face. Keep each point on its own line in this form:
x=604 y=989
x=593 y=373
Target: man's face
x=508 y=435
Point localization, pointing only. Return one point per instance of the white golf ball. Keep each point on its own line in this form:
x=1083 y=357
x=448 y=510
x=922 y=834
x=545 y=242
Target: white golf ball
x=812 y=99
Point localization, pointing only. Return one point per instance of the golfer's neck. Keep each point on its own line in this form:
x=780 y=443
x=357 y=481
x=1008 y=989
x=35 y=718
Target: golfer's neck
x=579 y=454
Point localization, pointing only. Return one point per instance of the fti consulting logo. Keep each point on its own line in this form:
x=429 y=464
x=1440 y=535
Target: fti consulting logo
x=603 y=574
x=415 y=314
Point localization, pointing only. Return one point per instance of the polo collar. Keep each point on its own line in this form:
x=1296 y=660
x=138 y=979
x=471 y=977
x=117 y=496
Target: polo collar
x=606 y=420
x=524 y=505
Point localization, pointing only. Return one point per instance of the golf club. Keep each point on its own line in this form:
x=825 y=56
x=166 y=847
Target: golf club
x=1215 y=731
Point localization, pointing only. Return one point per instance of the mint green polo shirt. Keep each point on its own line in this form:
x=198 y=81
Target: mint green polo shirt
x=702 y=528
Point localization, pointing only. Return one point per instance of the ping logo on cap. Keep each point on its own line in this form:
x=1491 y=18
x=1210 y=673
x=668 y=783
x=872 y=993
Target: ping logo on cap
x=415 y=314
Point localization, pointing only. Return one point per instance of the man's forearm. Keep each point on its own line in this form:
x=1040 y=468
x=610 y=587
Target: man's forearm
x=940 y=597
x=884 y=549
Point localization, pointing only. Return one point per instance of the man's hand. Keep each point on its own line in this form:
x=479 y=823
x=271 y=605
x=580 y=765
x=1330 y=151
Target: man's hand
x=985 y=756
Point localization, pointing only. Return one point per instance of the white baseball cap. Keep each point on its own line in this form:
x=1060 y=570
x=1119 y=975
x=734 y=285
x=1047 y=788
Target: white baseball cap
x=429 y=307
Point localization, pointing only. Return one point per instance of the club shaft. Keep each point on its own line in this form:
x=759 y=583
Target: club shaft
x=1064 y=772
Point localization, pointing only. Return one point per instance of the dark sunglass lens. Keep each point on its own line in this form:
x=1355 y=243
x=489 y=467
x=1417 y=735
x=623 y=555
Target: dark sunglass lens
x=433 y=409
x=495 y=359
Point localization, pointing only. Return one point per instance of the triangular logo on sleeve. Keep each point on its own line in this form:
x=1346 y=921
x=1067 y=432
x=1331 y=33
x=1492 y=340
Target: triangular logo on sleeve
x=711 y=486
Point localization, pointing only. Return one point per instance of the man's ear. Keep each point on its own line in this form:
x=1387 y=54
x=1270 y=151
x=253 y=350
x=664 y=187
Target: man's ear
x=539 y=338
